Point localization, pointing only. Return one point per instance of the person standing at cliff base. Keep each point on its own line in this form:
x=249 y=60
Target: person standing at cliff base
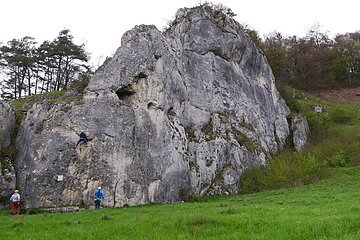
x=15 y=203
x=99 y=195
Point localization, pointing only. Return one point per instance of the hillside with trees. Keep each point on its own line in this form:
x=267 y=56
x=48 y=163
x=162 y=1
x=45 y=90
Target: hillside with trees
x=313 y=62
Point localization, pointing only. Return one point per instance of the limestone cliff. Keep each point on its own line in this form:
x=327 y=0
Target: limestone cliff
x=172 y=114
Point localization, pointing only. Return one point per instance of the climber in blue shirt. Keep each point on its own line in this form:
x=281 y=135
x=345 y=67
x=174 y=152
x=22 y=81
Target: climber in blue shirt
x=99 y=195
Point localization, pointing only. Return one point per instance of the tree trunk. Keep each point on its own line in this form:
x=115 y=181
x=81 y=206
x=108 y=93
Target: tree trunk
x=29 y=82
x=66 y=72
x=58 y=75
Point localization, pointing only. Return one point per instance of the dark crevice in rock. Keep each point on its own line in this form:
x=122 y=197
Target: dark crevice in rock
x=217 y=52
x=114 y=193
x=171 y=112
x=243 y=50
x=124 y=92
x=151 y=105
x=289 y=143
x=108 y=135
x=141 y=75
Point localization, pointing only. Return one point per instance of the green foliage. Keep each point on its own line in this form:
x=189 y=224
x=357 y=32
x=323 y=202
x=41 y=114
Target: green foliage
x=334 y=142
x=250 y=145
x=318 y=122
x=218 y=13
x=7 y=156
x=315 y=61
x=338 y=159
x=289 y=96
x=254 y=36
x=190 y=134
x=285 y=170
x=229 y=211
x=243 y=140
x=185 y=193
x=17 y=57
x=341 y=115
x=224 y=117
x=76 y=99
x=218 y=10
x=208 y=130
x=105 y=217
x=253 y=180
x=199 y=221
x=21 y=106
x=275 y=53
x=33 y=211
x=9 y=151
x=193 y=165
x=17 y=225
x=318 y=128
x=209 y=162
x=80 y=84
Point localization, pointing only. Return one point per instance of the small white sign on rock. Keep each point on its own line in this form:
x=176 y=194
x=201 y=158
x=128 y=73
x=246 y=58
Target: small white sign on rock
x=60 y=178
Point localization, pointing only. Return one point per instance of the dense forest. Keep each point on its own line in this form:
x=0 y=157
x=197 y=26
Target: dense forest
x=312 y=62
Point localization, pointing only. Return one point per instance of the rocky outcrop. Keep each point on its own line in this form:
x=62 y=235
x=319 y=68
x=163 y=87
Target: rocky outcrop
x=7 y=174
x=172 y=114
x=300 y=129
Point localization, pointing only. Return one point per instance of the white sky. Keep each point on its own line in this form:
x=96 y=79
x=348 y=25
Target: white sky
x=101 y=23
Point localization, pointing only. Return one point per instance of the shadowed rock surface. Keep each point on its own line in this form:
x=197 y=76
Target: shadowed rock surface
x=7 y=174
x=174 y=114
x=7 y=124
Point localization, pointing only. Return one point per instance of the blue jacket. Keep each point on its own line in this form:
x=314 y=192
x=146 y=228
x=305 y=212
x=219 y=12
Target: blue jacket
x=99 y=194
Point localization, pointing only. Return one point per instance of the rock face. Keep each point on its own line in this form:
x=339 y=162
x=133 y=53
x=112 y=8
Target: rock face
x=7 y=174
x=7 y=124
x=172 y=114
x=300 y=128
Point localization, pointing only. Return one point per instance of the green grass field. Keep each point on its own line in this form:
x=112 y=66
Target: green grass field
x=328 y=209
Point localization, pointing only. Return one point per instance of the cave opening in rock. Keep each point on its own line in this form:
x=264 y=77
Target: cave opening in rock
x=125 y=92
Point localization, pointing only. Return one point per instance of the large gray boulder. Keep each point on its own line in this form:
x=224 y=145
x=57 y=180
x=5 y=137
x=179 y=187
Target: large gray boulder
x=7 y=172
x=301 y=130
x=172 y=114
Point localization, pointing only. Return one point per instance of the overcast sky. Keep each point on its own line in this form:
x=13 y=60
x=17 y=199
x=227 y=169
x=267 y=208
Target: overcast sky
x=101 y=23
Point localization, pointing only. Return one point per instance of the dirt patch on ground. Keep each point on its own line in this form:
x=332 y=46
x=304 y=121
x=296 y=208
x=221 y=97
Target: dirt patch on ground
x=341 y=95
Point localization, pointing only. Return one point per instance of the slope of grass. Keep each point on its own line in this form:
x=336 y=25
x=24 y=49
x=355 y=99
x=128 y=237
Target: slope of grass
x=334 y=141
x=328 y=209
